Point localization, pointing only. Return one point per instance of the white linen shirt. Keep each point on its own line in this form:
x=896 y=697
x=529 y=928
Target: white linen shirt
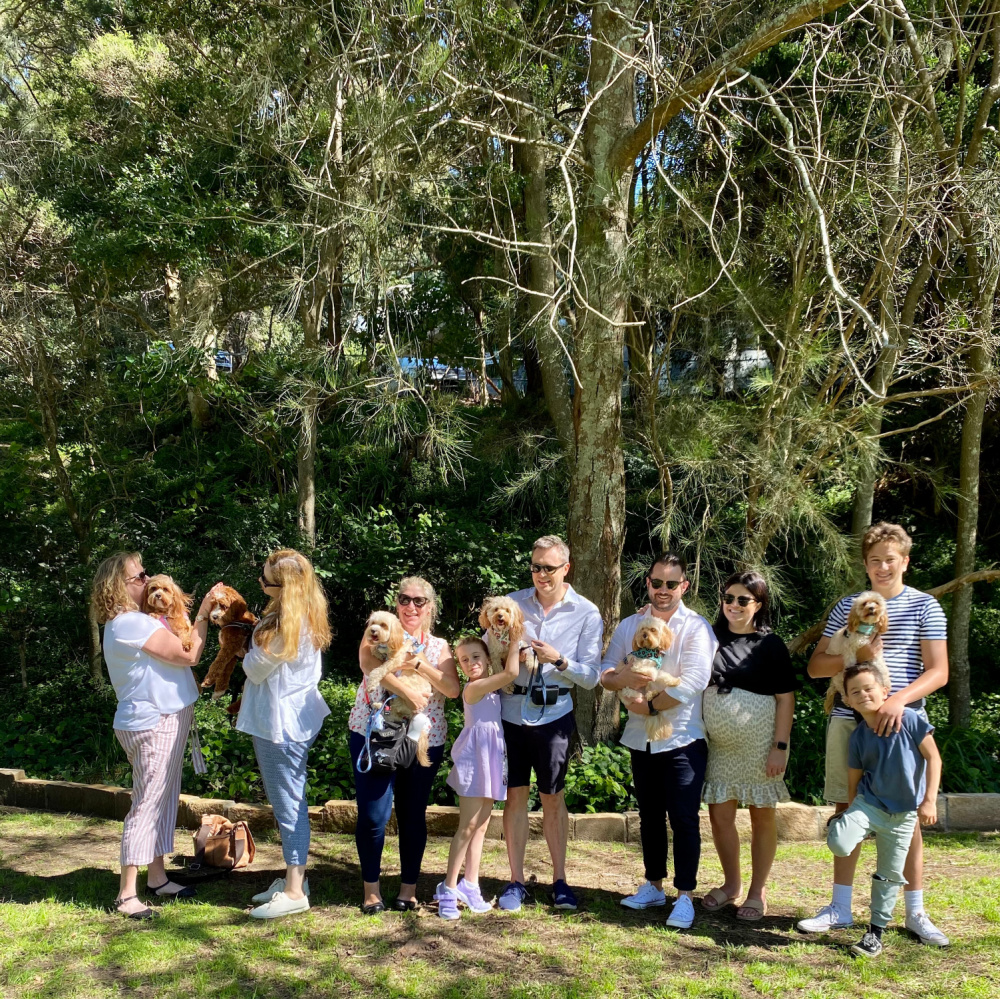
x=146 y=687
x=281 y=700
x=574 y=627
x=690 y=658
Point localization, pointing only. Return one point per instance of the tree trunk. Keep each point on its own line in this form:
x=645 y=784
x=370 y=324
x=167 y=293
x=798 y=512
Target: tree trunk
x=191 y=305
x=597 y=484
x=96 y=655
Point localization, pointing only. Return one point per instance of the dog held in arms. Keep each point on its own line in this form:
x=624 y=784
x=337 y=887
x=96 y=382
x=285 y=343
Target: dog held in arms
x=651 y=639
x=385 y=638
x=503 y=622
x=169 y=604
x=228 y=612
x=867 y=618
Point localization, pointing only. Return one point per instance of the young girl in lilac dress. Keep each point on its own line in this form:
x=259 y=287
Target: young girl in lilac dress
x=479 y=775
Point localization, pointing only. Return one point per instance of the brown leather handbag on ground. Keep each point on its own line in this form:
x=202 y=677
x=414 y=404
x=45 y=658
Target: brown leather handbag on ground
x=222 y=844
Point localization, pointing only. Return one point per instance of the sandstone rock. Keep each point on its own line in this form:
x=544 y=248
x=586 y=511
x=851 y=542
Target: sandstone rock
x=968 y=812
x=600 y=827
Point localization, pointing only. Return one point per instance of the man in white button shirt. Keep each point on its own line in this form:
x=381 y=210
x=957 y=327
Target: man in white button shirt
x=667 y=775
x=565 y=631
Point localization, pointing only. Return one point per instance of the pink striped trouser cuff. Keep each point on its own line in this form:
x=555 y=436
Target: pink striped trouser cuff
x=157 y=758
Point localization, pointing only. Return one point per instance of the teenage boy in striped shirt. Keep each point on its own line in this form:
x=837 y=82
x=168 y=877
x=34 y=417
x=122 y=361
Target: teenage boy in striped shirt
x=915 y=650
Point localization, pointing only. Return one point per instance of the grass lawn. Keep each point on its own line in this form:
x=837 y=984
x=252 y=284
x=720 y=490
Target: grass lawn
x=57 y=874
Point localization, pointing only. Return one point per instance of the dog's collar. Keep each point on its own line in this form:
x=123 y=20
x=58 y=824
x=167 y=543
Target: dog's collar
x=501 y=635
x=653 y=654
x=381 y=651
x=865 y=628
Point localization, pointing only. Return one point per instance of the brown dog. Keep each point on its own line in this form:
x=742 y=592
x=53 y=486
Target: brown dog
x=867 y=619
x=385 y=637
x=167 y=602
x=503 y=622
x=228 y=612
x=652 y=638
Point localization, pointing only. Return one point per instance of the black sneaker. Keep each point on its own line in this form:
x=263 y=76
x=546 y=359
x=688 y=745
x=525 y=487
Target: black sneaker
x=868 y=946
x=562 y=896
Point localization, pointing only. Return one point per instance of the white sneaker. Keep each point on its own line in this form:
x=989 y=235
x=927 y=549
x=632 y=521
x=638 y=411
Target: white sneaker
x=920 y=926
x=470 y=894
x=647 y=896
x=280 y=905
x=828 y=918
x=682 y=914
x=278 y=884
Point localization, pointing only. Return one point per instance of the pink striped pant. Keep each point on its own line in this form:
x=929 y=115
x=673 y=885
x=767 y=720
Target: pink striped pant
x=157 y=757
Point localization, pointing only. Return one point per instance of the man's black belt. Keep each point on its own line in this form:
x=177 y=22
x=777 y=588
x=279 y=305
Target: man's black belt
x=518 y=689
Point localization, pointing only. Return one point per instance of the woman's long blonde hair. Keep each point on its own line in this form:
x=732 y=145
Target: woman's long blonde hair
x=108 y=594
x=301 y=600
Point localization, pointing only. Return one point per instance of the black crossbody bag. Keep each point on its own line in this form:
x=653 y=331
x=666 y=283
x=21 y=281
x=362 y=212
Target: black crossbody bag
x=387 y=748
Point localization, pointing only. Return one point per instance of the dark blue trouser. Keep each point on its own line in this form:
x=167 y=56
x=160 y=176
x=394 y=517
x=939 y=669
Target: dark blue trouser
x=411 y=787
x=669 y=785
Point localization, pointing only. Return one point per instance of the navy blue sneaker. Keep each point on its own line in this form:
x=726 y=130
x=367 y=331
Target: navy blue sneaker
x=562 y=895
x=512 y=896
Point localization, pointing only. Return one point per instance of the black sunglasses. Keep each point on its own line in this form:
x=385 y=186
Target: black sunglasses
x=140 y=578
x=404 y=600
x=262 y=579
x=670 y=584
x=729 y=598
x=537 y=567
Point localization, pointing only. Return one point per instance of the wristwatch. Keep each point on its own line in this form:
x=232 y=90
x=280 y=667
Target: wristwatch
x=560 y=663
x=781 y=745
x=652 y=710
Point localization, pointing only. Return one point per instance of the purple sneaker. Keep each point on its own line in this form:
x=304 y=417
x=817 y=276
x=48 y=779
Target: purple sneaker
x=470 y=894
x=447 y=900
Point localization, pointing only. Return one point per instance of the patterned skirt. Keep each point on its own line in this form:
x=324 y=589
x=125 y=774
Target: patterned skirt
x=740 y=728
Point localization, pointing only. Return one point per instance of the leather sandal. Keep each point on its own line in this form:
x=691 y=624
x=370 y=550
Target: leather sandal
x=716 y=899
x=757 y=907
x=187 y=891
x=142 y=914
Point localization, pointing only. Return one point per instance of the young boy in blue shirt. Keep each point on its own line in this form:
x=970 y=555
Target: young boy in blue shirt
x=892 y=782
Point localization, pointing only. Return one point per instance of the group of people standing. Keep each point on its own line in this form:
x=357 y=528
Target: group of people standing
x=731 y=714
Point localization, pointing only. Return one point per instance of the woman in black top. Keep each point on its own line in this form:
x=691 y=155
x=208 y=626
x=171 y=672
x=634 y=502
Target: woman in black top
x=748 y=710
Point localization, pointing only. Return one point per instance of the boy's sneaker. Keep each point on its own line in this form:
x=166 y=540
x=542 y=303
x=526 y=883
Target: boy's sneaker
x=925 y=931
x=868 y=946
x=447 y=901
x=512 y=896
x=682 y=914
x=562 y=896
x=470 y=894
x=828 y=918
x=646 y=897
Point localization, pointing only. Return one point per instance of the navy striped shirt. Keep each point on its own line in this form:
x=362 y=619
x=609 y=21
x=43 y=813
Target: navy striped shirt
x=913 y=617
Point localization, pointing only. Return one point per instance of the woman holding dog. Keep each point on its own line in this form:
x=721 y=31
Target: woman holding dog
x=748 y=708
x=151 y=674
x=283 y=710
x=417 y=609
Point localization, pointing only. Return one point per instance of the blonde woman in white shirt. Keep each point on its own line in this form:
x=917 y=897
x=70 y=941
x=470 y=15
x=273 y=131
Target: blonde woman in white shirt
x=283 y=710
x=151 y=674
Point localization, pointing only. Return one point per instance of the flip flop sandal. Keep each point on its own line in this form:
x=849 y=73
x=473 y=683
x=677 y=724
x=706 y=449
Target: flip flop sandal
x=142 y=914
x=716 y=899
x=757 y=907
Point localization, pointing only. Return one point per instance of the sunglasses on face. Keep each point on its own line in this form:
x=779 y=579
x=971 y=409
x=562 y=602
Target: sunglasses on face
x=670 y=584
x=268 y=582
x=139 y=578
x=536 y=568
x=730 y=598
x=404 y=600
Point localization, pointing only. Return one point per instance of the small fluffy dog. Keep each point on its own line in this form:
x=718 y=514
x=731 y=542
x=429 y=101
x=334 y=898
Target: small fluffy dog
x=867 y=618
x=228 y=612
x=165 y=600
x=503 y=622
x=385 y=637
x=652 y=638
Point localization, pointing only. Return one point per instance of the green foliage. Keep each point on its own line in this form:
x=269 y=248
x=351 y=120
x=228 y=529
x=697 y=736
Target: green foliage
x=599 y=779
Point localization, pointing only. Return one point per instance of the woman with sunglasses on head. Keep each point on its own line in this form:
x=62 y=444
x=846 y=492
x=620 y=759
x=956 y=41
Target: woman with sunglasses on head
x=151 y=675
x=748 y=709
x=417 y=610
x=283 y=710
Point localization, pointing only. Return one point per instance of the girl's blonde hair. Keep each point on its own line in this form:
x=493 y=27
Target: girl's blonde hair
x=300 y=601
x=431 y=608
x=108 y=594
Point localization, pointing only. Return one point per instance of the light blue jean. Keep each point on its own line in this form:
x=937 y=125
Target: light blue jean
x=893 y=833
x=283 y=769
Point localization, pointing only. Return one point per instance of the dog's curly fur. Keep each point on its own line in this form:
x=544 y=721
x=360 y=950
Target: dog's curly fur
x=166 y=601
x=385 y=638
x=228 y=612
x=652 y=634
x=503 y=622
x=867 y=608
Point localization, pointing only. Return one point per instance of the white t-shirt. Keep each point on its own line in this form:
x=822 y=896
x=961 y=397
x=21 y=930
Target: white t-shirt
x=146 y=687
x=281 y=700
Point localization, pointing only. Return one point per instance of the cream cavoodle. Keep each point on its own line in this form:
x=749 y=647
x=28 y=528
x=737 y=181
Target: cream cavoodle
x=867 y=618
x=652 y=638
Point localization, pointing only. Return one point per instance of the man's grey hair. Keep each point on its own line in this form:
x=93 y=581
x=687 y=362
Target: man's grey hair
x=547 y=541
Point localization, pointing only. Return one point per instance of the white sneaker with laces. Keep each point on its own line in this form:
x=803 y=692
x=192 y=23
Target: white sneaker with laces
x=920 y=926
x=828 y=918
x=278 y=884
x=280 y=905
x=682 y=914
x=470 y=894
x=647 y=896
